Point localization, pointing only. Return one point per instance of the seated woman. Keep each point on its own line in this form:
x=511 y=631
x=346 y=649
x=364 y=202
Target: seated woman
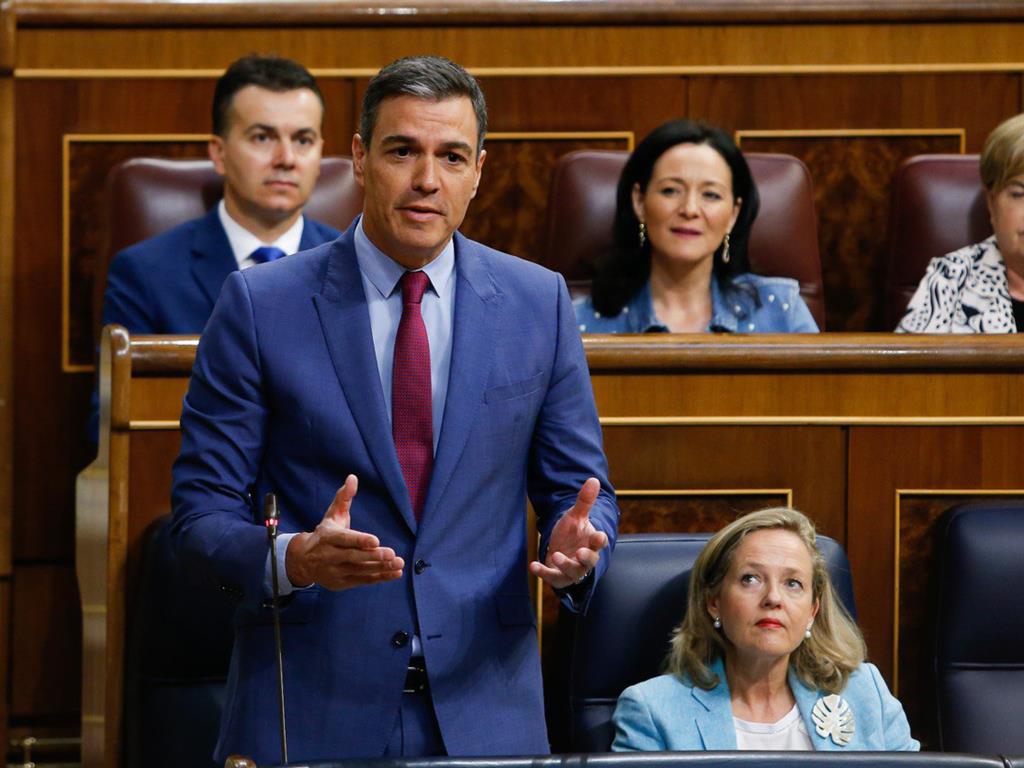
x=766 y=657
x=980 y=288
x=685 y=206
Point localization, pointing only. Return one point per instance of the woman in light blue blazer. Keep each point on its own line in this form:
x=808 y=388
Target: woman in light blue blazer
x=765 y=658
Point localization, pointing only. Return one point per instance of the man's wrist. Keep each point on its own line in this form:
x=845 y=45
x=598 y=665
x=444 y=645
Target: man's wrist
x=294 y=561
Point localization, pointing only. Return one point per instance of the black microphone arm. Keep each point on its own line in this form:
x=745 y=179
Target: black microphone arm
x=270 y=517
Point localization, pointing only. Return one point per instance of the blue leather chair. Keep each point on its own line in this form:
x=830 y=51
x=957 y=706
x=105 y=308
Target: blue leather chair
x=624 y=637
x=979 y=661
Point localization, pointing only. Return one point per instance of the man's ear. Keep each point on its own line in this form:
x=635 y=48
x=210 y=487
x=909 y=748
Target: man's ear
x=358 y=159
x=215 y=149
x=479 y=169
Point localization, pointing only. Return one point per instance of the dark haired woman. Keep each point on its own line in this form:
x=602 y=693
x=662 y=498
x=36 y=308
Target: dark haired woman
x=685 y=206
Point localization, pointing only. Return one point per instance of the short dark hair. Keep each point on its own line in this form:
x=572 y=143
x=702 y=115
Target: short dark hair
x=626 y=268
x=271 y=72
x=425 y=77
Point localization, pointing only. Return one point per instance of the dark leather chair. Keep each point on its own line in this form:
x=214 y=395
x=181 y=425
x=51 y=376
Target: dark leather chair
x=784 y=241
x=146 y=196
x=938 y=206
x=979 y=663
x=179 y=641
x=624 y=637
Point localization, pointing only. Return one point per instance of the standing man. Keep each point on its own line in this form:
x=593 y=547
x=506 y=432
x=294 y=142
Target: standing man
x=437 y=382
x=266 y=143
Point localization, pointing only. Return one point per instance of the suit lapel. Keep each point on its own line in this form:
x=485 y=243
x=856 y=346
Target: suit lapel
x=346 y=328
x=212 y=257
x=714 y=720
x=806 y=698
x=472 y=349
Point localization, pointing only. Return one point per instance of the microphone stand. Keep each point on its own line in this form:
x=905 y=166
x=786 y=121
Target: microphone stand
x=271 y=518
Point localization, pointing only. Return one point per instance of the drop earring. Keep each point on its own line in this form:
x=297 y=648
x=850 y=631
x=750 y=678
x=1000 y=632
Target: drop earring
x=807 y=632
x=717 y=623
x=643 y=234
x=725 y=249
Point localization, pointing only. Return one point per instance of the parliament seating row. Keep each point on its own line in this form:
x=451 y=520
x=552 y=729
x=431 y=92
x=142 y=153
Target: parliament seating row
x=938 y=206
x=180 y=638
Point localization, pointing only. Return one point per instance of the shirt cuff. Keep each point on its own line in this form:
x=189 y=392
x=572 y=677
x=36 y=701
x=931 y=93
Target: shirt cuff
x=284 y=587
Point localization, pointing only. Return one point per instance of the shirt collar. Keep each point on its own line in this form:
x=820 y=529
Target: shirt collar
x=383 y=272
x=243 y=242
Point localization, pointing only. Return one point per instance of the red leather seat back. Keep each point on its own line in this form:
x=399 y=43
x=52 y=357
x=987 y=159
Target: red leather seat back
x=938 y=206
x=784 y=240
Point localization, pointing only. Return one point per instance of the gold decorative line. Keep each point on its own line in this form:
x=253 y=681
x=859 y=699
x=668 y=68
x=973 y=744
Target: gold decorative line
x=94 y=608
x=140 y=425
x=93 y=719
x=628 y=136
x=910 y=421
x=900 y=492
x=65 y=185
x=49 y=73
x=817 y=133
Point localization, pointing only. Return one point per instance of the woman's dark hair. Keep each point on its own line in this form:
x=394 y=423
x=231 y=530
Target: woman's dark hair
x=627 y=267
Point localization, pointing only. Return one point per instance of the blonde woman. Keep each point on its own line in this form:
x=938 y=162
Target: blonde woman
x=766 y=657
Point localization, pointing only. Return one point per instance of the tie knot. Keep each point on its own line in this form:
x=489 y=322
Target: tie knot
x=413 y=286
x=266 y=253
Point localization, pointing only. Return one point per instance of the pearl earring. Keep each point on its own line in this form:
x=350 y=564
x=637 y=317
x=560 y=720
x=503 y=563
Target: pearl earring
x=717 y=623
x=807 y=632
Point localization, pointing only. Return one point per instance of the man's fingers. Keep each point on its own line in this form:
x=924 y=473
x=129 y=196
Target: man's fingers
x=339 y=510
x=597 y=540
x=585 y=498
x=346 y=538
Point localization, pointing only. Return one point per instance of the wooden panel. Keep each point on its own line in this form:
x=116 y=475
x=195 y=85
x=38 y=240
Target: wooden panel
x=754 y=46
x=427 y=12
x=901 y=479
x=691 y=511
x=852 y=176
x=510 y=207
x=852 y=179
x=45 y=656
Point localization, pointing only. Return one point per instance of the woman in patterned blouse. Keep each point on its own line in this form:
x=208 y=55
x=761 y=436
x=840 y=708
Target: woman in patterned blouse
x=980 y=288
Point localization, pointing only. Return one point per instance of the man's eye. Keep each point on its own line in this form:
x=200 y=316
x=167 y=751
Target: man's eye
x=402 y=152
x=260 y=138
x=455 y=157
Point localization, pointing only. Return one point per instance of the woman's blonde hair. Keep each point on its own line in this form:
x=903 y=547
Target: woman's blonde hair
x=1002 y=157
x=823 y=661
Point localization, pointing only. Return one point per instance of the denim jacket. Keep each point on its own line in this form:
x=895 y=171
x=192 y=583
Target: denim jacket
x=736 y=310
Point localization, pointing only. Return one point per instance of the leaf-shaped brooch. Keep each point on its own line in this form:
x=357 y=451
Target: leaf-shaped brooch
x=833 y=719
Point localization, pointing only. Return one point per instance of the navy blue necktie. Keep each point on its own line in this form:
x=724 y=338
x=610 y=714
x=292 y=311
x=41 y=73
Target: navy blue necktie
x=266 y=253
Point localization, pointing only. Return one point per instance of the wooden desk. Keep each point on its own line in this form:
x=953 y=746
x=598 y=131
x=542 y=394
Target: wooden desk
x=873 y=436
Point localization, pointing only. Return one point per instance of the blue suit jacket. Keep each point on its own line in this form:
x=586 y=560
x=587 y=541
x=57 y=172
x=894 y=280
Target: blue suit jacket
x=286 y=396
x=169 y=283
x=667 y=713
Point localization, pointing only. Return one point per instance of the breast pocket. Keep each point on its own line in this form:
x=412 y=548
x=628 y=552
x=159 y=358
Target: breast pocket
x=515 y=389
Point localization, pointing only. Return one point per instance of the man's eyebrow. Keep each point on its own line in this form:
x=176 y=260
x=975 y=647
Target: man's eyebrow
x=261 y=127
x=398 y=139
x=461 y=145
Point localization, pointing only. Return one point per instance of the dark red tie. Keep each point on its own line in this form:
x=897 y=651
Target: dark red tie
x=412 y=423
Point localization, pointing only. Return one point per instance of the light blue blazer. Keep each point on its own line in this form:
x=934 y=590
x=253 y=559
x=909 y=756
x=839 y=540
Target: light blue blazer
x=667 y=714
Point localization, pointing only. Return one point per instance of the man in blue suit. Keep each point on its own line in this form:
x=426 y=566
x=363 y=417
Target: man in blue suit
x=439 y=383
x=267 y=143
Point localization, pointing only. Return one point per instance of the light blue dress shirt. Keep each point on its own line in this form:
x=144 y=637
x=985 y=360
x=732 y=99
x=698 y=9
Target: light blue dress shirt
x=381 y=275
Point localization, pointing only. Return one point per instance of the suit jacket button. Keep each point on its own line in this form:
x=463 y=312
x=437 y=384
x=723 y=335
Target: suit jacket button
x=420 y=566
x=400 y=639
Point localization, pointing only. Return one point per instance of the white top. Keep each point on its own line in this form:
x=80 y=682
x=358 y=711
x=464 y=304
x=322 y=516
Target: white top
x=789 y=734
x=243 y=242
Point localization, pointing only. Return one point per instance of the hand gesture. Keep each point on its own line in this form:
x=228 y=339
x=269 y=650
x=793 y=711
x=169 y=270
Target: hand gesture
x=337 y=557
x=575 y=544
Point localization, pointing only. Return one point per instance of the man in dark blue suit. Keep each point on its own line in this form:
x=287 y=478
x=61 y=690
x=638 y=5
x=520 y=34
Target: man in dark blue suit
x=440 y=384
x=267 y=143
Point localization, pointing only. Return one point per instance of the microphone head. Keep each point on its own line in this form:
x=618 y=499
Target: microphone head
x=270 y=514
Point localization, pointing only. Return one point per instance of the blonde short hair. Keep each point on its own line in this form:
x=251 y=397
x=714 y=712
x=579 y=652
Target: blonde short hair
x=1002 y=157
x=823 y=661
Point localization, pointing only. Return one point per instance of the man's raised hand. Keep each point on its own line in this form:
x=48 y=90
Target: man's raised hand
x=337 y=557
x=575 y=544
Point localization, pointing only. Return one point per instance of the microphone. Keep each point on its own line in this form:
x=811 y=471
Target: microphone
x=270 y=518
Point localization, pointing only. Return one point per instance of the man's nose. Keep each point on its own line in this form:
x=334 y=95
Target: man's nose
x=425 y=177
x=285 y=154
